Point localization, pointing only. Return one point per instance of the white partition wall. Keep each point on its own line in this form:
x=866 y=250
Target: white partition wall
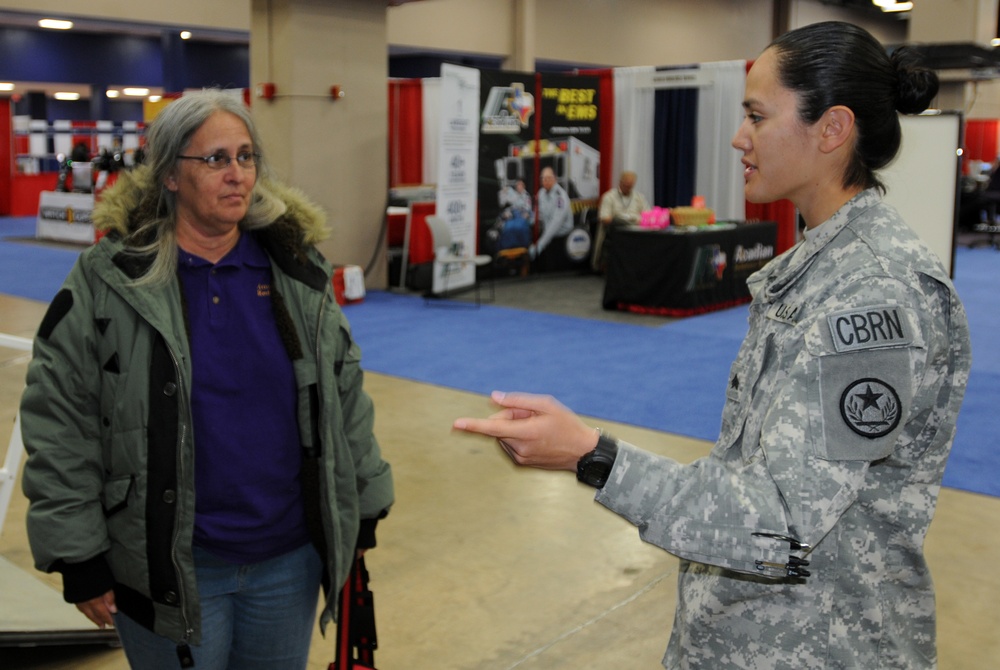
x=923 y=181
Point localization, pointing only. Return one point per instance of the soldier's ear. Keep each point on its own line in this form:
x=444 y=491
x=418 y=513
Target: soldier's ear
x=836 y=128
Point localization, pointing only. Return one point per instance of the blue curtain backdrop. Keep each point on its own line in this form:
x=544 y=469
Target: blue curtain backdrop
x=675 y=136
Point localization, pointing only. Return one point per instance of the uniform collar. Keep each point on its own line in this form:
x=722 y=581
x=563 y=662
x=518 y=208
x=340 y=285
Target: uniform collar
x=777 y=276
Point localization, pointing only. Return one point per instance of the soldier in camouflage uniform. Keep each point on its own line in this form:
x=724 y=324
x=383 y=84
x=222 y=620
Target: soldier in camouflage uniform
x=801 y=534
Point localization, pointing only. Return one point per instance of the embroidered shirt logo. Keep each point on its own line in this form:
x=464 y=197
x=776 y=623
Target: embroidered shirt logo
x=263 y=290
x=870 y=408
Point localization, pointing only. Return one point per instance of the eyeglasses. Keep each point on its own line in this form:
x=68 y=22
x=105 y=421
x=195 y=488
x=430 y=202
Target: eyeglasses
x=220 y=160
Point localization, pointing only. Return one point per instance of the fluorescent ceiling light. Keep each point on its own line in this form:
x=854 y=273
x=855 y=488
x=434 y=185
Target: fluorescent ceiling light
x=140 y=92
x=6 y=86
x=155 y=98
x=893 y=6
x=66 y=95
x=185 y=34
x=113 y=93
x=55 y=24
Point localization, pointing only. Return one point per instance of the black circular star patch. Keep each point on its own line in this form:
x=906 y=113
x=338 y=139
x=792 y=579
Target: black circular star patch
x=870 y=408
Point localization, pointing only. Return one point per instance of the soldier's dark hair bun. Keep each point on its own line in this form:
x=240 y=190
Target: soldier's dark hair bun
x=917 y=85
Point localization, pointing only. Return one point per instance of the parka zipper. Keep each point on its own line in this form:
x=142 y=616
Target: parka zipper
x=331 y=547
x=184 y=655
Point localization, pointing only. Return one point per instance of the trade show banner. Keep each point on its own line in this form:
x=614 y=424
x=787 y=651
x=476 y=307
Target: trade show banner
x=532 y=124
x=506 y=170
x=458 y=171
x=569 y=144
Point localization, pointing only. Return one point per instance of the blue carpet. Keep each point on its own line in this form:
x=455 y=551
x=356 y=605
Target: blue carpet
x=665 y=378
x=974 y=464
x=671 y=378
x=28 y=270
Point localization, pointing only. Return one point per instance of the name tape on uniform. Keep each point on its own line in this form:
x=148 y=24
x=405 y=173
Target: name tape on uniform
x=870 y=328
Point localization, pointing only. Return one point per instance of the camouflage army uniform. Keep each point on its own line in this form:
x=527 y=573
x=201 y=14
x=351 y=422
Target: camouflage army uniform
x=839 y=417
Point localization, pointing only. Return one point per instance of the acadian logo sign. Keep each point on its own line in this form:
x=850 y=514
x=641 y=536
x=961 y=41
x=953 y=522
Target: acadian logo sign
x=759 y=252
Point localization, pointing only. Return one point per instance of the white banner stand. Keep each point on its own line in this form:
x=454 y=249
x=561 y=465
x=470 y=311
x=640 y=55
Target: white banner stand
x=32 y=613
x=458 y=171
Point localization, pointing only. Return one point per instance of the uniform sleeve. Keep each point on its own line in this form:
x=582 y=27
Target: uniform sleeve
x=705 y=511
x=800 y=430
x=63 y=475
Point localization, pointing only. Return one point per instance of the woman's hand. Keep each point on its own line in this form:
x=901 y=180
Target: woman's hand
x=100 y=610
x=535 y=430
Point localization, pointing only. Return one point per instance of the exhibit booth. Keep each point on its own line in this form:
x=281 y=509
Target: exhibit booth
x=671 y=125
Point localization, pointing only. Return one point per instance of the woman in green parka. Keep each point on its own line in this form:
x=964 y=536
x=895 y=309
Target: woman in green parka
x=200 y=448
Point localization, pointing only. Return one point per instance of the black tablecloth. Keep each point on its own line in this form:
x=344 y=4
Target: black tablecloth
x=681 y=272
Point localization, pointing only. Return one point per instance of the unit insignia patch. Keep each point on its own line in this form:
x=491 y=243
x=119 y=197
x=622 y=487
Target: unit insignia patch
x=870 y=407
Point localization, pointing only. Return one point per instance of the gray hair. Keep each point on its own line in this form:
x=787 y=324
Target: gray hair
x=168 y=136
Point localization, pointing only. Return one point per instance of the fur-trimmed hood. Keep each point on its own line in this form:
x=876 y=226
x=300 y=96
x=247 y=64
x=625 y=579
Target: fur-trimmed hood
x=134 y=199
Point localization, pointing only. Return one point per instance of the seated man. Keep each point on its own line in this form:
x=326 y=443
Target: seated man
x=619 y=206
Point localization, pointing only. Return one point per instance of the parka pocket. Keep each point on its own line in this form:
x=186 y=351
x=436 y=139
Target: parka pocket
x=115 y=496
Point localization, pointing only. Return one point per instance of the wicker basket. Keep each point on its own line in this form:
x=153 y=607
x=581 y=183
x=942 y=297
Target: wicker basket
x=691 y=216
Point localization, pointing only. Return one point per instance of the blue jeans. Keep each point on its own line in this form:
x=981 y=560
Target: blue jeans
x=253 y=617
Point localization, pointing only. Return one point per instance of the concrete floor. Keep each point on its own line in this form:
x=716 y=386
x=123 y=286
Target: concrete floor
x=483 y=566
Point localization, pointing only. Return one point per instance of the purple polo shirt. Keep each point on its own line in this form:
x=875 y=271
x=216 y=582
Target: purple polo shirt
x=243 y=397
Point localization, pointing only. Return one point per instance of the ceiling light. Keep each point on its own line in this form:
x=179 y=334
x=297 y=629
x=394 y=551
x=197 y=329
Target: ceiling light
x=155 y=98
x=185 y=34
x=6 y=86
x=139 y=92
x=112 y=93
x=66 y=95
x=55 y=24
x=892 y=6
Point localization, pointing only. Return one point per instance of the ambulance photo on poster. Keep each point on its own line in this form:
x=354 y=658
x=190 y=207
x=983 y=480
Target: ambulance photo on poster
x=539 y=169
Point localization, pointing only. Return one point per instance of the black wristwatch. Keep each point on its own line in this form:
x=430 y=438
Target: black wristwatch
x=595 y=467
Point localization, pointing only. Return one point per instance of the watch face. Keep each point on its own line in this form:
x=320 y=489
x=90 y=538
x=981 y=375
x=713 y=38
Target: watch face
x=595 y=468
x=595 y=473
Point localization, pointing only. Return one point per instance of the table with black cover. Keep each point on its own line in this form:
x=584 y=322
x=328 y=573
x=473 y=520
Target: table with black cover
x=682 y=271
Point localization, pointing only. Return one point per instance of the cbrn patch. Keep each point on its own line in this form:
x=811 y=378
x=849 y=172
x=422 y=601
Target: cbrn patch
x=873 y=327
x=870 y=407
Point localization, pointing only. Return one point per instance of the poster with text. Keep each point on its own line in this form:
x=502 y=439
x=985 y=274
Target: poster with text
x=457 y=172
